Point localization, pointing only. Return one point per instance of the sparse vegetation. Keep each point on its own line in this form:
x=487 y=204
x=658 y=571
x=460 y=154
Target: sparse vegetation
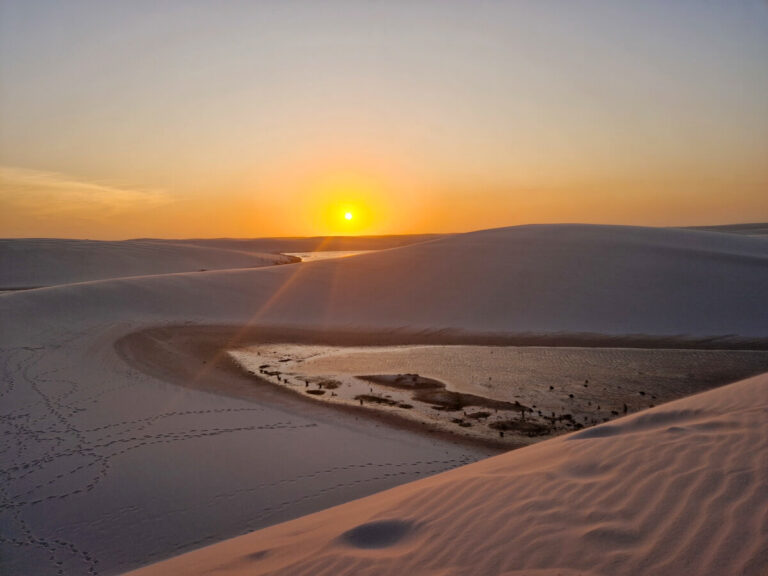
x=373 y=399
x=478 y=415
x=526 y=428
x=403 y=381
x=450 y=401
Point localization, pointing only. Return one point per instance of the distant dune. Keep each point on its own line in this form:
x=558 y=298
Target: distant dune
x=108 y=467
x=567 y=278
x=32 y=263
x=528 y=279
x=752 y=229
x=309 y=243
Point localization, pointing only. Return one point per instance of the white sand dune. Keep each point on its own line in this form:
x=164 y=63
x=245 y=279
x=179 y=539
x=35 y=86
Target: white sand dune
x=36 y=262
x=106 y=468
x=308 y=243
x=678 y=489
x=540 y=279
x=31 y=263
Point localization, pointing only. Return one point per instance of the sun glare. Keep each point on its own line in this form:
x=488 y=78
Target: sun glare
x=345 y=203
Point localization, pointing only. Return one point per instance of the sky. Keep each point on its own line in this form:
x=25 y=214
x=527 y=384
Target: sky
x=277 y=118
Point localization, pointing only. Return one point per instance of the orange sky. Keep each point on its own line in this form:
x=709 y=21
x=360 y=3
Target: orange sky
x=276 y=118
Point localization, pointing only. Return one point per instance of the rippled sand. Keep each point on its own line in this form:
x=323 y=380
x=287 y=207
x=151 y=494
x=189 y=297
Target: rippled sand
x=678 y=489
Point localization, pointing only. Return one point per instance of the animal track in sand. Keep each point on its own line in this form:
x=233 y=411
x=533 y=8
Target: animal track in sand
x=53 y=456
x=59 y=446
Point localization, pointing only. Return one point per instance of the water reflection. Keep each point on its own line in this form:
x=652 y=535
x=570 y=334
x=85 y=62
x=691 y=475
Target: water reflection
x=326 y=254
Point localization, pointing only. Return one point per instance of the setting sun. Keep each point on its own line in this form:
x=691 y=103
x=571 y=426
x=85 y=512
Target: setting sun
x=346 y=202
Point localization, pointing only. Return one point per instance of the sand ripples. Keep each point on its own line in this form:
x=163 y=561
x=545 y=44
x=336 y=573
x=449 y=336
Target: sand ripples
x=680 y=489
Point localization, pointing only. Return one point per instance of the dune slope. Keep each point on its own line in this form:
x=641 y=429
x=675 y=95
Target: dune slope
x=36 y=262
x=32 y=263
x=678 y=489
x=541 y=279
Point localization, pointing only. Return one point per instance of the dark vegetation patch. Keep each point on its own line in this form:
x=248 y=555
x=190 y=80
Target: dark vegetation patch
x=477 y=415
x=448 y=401
x=329 y=384
x=524 y=427
x=461 y=422
x=403 y=381
x=315 y=392
x=376 y=399
x=433 y=392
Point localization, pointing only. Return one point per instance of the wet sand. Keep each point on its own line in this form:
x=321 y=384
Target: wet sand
x=197 y=357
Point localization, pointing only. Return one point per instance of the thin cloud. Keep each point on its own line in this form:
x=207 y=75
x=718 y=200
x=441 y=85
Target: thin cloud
x=43 y=195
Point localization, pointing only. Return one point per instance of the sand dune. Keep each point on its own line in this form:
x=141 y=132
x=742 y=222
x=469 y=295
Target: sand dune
x=540 y=279
x=678 y=489
x=308 y=244
x=106 y=467
x=31 y=263
x=751 y=229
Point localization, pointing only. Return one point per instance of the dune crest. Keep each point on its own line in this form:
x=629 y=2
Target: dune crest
x=678 y=489
x=615 y=280
x=33 y=263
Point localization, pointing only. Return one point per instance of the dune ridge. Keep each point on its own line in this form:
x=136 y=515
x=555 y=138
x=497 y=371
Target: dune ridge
x=33 y=263
x=538 y=279
x=678 y=489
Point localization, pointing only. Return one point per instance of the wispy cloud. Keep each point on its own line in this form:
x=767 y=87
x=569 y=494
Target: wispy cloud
x=44 y=195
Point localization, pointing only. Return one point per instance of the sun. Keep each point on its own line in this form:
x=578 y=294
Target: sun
x=348 y=215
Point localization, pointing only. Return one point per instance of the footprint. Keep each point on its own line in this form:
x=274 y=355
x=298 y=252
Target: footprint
x=381 y=534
